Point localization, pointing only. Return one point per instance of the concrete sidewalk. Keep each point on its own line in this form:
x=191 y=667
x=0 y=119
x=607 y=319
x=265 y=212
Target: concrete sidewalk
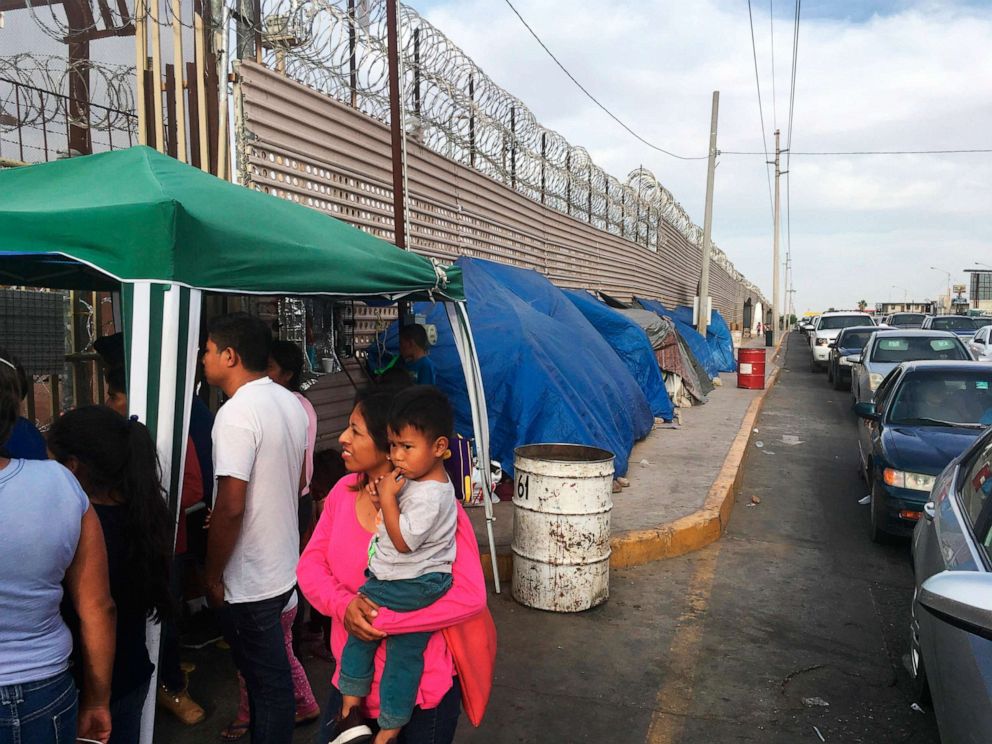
x=681 y=482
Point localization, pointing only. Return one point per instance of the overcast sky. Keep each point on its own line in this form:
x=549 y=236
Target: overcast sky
x=888 y=75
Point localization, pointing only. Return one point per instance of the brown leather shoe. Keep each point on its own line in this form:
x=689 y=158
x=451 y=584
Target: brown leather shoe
x=181 y=705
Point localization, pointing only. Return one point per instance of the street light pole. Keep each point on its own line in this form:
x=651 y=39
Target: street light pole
x=703 y=317
x=945 y=271
x=775 y=279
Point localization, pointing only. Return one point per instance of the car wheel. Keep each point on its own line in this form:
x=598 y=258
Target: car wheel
x=812 y=365
x=838 y=380
x=830 y=372
x=875 y=531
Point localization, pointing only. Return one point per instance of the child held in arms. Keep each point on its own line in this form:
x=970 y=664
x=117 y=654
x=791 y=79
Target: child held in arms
x=410 y=560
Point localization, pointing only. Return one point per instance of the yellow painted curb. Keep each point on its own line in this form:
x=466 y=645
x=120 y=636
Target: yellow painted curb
x=688 y=533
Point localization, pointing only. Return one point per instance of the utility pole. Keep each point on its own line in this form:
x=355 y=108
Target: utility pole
x=776 y=300
x=703 y=314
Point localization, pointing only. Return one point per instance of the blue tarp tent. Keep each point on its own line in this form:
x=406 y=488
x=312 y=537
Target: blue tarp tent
x=692 y=338
x=718 y=337
x=549 y=376
x=631 y=344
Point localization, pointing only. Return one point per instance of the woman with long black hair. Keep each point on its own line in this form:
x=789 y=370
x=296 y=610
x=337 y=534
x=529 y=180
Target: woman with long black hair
x=115 y=461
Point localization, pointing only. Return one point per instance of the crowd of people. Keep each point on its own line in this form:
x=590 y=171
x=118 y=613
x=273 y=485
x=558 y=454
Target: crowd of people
x=389 y=558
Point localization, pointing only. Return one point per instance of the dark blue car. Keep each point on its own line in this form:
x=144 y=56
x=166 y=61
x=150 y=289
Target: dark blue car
x=849 y=341
x=924 y=414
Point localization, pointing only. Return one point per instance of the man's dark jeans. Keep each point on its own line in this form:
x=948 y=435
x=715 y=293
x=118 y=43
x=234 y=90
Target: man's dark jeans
x=254 y=632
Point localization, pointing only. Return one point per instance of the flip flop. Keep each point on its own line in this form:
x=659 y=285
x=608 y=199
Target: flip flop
x=234 y=731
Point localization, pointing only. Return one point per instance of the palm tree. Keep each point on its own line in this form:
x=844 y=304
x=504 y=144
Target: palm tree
x=862 y=304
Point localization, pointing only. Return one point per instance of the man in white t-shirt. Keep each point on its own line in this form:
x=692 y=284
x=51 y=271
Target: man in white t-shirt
x=259 y=441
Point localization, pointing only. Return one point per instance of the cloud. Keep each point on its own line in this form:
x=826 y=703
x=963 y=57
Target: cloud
x=903 y=76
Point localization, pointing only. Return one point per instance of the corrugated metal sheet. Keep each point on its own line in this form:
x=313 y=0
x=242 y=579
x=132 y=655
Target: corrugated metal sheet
x=319 y=152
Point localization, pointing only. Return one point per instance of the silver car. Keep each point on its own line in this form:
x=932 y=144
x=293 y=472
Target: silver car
x=887 y=349
x=981 y=345
x=951 y=624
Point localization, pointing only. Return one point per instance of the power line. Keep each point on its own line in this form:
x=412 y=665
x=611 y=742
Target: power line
x=871 y=152
x=761 y=109
x=594 y=99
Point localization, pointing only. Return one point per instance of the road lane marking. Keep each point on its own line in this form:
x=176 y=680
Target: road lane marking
x=675 y=696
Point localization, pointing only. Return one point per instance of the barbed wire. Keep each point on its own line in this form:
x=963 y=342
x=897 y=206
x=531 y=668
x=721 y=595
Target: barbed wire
x=106 y=90
x=455 y=109
x=339 y=47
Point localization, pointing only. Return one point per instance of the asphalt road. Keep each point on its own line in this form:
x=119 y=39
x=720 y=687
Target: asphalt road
x=794 y=623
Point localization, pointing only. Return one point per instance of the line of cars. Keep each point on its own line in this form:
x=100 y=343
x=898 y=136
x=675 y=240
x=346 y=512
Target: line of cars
x=923 y=396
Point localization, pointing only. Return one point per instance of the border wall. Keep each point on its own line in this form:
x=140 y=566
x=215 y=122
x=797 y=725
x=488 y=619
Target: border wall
x=304 y=146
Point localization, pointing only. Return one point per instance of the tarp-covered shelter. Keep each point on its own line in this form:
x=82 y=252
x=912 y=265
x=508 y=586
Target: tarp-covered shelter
x=685 y=380
x=692 y=338
x=549 y=375
x=632 y=345
x=162 y=233
x=718 y=338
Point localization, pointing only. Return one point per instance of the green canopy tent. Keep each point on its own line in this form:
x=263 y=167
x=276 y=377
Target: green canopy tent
x=162 y=232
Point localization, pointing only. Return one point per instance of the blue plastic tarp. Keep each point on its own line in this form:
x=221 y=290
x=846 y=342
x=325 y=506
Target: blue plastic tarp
x=549 y=376
x=631 y=344
x=692 y=338
x=718 y=337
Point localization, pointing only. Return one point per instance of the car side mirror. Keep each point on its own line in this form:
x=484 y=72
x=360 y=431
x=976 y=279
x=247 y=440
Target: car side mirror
x=853 y=358
x=960 y=598
x=866 y=410
x=832 y=345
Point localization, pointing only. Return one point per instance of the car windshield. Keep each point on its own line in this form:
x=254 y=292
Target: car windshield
x=834 y=322
x=907 y=319
x=953 y=323
x=895 y=349
x=855 y=339
x=944 y=398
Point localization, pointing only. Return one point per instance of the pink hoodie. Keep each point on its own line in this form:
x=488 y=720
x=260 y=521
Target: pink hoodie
x=332 y=569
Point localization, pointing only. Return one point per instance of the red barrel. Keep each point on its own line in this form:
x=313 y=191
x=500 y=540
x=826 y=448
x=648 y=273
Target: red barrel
x=751 y=368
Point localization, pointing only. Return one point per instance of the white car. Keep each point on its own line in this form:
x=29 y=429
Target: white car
x=827 y=327
x=806 y=326
x=981 y=345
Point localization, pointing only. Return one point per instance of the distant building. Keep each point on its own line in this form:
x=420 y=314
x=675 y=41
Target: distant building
x=980 y=291
x=906 y=306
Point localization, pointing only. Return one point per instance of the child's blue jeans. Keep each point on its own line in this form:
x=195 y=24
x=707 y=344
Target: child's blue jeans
x=404 y=652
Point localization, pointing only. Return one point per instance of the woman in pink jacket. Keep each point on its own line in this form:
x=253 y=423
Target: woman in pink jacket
x=332 y=568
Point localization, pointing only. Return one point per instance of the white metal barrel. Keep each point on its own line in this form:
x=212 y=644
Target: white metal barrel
x=561 y=526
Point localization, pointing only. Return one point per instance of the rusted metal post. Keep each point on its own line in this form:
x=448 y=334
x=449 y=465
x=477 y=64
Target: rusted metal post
x=79 y=79
x=589 y=195
x=416 y=72
x=568 y=182
x=471 y=120
x=20 y=135
x=395 y=123
x=607 y=210
x=544 y=162
x=623 y=211
x=352 y=51
x=513 y=146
